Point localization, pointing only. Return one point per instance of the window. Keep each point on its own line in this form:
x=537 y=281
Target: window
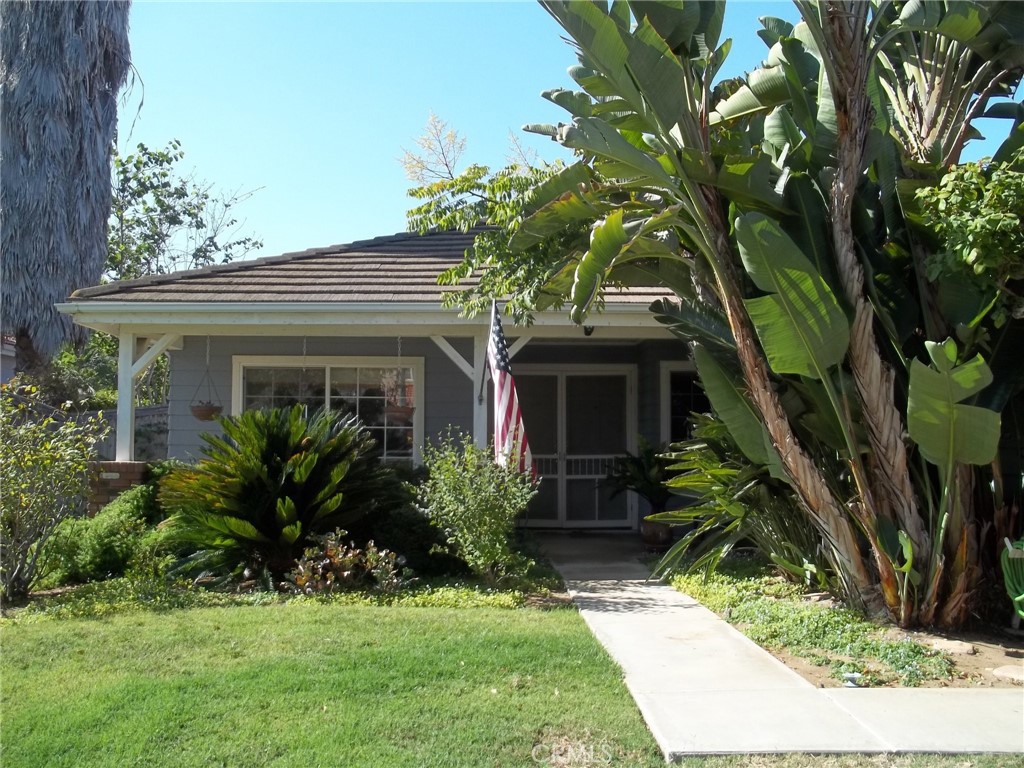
x=382 y=392
x=681 y=395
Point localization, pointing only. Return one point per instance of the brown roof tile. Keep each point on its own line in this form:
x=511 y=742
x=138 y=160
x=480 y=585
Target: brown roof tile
x=397 y=268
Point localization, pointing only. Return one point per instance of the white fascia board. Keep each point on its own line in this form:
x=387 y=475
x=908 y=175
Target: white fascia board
x=284 y=318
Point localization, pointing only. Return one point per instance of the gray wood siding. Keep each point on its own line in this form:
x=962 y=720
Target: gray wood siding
x=447 y=395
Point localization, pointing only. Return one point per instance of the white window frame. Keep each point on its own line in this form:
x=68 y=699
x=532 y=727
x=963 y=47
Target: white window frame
x=665 y=370
x=240 y=362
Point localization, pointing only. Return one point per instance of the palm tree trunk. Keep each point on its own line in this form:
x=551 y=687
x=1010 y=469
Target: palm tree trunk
x=61 y=67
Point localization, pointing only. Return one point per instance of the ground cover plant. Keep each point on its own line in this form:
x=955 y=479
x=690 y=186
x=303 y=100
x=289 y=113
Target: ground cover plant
x=771 y=611
x=305 y=683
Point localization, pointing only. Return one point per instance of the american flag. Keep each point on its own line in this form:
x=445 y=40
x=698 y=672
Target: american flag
x=509 y=432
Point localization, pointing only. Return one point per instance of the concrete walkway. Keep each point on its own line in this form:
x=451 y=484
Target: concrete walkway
x=704 y=688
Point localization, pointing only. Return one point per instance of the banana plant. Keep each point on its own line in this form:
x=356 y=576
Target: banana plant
x=767 y=205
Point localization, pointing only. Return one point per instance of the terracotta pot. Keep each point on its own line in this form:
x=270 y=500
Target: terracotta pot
x=206 y=411
x=657 y=537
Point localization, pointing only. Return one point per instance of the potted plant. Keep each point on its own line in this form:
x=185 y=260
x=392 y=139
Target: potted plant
x=645 y=474
x=205 y=410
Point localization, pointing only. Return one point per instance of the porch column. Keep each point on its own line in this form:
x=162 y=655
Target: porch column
x=129 y=368
x=125 y=449
x=479 y=391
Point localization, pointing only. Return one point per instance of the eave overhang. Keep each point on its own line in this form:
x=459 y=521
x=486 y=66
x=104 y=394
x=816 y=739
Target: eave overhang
x=154 y=319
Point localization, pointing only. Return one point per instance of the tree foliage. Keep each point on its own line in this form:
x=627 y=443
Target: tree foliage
x=977 y=212
x=775 y=208
x=162 y=221
x=493 y=204
x=44 y=479
x=61 y=67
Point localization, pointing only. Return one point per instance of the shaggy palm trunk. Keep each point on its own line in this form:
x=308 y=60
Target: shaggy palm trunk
x=61 y=67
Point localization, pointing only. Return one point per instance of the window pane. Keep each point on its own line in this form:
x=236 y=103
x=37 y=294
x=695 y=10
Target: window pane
x=398 y=415
x=259 y=382
x=398 y=442
x=382 y=398
x=345 y=405
x=685 y=397
x=371 y=381
x=371 y=411
x=344 y=381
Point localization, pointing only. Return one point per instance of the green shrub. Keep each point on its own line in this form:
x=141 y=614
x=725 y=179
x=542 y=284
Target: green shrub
x=409 y=533
x=89 y=549
x=475 y=503
x=276 y=478
x=44 y=478
x=331 y=565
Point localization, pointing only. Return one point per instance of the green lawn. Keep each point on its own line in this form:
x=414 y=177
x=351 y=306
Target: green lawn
x=309 y=684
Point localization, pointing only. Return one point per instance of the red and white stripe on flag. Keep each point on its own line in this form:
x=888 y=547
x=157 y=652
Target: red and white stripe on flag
x=509 y=431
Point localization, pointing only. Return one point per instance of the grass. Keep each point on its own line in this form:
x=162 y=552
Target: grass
x=773 y=613
x=256 y=680
x=304 y=683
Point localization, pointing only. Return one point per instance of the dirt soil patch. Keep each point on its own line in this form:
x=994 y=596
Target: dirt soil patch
x=992 y=650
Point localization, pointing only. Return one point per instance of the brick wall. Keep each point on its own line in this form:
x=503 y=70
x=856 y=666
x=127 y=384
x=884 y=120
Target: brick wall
x=110 y=478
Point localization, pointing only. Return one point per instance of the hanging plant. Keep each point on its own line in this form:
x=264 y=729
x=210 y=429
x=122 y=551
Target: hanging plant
x=205 y=411
x=208 y=409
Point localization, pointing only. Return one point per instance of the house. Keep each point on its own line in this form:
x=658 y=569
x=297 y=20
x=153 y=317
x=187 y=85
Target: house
x=361 y=327
x=7 y=355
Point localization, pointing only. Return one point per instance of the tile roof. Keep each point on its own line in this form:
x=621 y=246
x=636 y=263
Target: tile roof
x=396 y=268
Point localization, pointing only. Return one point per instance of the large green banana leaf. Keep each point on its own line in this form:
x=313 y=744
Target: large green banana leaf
x=696 y=321
x=607 y=240
x=576 y=103
x=640 y=66
x=737 y=412
x=597 y=138
x=945 y=429
x=801 y=326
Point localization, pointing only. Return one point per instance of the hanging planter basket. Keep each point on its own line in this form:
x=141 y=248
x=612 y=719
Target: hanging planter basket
x=205 y=411
x=208 y=409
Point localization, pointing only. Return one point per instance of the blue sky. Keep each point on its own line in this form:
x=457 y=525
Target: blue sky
x=314 y=102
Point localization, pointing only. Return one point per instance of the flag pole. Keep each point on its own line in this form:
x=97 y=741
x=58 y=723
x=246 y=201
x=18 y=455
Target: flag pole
x=483 y=376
